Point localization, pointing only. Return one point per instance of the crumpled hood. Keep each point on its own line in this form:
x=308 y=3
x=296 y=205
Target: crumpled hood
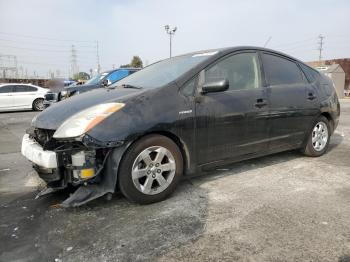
x=55 y=115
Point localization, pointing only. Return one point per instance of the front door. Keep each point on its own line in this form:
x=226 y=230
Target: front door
x=234 y=122
x=6 y=97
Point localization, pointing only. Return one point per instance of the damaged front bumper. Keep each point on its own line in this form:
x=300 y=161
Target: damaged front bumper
x=71 y=166
x=74 y=163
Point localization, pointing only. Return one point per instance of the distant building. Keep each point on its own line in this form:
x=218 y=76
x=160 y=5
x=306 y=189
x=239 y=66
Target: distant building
x=343 y=62
x=337 y=74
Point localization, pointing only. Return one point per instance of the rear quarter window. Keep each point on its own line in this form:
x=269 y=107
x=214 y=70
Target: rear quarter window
x=311 y=74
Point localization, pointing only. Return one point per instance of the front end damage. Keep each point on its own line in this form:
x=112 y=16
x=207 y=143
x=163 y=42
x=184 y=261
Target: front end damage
x=84 y=163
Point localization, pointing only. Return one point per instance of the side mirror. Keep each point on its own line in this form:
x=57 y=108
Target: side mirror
x=106 y=82
x=215 y=86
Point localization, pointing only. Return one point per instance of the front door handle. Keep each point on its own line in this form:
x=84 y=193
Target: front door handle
x=260 y=102
x=311 y=96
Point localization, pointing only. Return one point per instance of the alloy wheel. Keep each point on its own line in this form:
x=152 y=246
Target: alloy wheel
x=319 y=136
x=39 y=105
x=153 y=170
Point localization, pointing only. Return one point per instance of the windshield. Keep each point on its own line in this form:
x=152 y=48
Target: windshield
x=163 y=72
x=96 y=79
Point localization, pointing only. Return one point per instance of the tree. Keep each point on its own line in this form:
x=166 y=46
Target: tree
x=135 y=62
x=81 y=76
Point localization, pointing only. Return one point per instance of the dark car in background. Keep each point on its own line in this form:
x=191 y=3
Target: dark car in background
x=100 y=80
x=178 y=117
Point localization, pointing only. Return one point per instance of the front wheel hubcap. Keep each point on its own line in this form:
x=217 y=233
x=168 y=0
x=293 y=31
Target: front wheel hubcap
x=153 y=170
x=39 y=105
x=320 y=136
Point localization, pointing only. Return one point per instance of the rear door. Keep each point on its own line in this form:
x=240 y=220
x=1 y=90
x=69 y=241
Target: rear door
x=6 y=97
x=24 y=96
x=287 y=96
x=232 y=123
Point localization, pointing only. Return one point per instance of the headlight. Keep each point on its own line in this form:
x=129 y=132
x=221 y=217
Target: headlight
x=64 y=94
x=83 y=121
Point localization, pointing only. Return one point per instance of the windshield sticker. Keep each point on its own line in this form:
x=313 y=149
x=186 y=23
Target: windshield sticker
x=206 y=54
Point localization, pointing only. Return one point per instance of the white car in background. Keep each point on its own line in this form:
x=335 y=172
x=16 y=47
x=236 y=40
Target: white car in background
x=21 y=96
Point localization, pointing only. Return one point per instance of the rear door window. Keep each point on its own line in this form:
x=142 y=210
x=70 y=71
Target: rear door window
x=24 y=88
x=6 y=89
x=281 y=71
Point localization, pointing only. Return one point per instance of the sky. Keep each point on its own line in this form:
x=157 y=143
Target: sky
x=40 y=33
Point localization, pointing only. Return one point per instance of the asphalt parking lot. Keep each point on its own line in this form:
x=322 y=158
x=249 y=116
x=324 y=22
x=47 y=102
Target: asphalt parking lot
x=284 y=207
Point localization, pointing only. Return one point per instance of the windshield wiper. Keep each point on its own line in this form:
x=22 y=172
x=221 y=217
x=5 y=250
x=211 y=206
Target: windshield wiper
x=130 y=86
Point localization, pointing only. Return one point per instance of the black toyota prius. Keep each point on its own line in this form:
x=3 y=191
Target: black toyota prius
x=178 y=117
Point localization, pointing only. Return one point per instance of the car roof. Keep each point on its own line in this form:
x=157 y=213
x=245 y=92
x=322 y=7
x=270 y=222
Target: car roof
x=16 y=84
x=226 y=50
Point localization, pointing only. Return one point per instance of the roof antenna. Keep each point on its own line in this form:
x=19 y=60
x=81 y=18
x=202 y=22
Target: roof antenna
x=268 y=40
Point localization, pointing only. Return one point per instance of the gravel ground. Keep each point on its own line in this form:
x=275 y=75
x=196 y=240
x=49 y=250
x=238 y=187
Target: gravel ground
x=284 y=207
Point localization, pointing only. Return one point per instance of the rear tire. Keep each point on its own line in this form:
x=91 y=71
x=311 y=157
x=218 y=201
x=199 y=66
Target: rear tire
x=319 y=137
x=38 y=104
x=150 y=169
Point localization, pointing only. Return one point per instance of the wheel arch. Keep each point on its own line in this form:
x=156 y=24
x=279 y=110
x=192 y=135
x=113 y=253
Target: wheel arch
x=36 y=98
x=309 y=129
x=329 y=118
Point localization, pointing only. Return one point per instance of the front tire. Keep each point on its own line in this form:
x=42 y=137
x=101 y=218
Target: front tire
x=319 y=138
x=150 y=170
x=38 y=104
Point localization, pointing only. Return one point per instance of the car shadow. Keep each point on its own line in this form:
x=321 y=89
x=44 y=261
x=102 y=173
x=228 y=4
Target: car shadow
x=116 y=229
x=16 y=111
x=336 y=140
x=261 y=162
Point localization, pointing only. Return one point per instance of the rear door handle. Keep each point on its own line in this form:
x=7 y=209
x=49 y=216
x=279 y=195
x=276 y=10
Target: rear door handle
x=260 y=102
x=311 y=96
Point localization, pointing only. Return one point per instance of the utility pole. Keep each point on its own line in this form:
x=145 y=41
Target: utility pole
x=320 y=47
x=8 y=63
x=98 y=58
x=74 y=62
x=170 y=32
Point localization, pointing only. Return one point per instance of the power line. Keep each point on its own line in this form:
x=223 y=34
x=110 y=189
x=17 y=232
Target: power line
x=46 y=38
x=42 y=50
x=267 y=41
x=53 y=64
x=296 y=42
x=44 y=44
